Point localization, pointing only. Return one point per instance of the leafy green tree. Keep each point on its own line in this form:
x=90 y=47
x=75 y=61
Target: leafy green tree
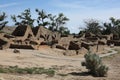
x=57 y=21
x=93 y=26
x=14 y=18
x=112 y=27
x=61 y=20
x=52 y=24
x=42 y=19
x=24 y=18
x=64 y=30
x=2 y=22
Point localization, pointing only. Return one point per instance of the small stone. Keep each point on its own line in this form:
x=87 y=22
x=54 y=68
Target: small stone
x=16 y=51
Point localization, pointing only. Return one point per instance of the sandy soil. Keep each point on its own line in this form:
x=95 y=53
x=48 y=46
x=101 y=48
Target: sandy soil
x=70 y=66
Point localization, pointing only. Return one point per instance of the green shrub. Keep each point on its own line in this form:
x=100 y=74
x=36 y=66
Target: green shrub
x=2 y=70
x=49 y=72
x=94 y=64
x=33 y=70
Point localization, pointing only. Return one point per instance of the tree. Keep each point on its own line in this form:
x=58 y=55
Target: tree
x=57 y=21
x=93 y=26
x=112 y=27
x=24 y=17
x=60 y=20
x=2 y=22
x=52 y=24
x=42 y=18
x=64 y=30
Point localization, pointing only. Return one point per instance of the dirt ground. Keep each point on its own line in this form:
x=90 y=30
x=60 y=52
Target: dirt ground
x=67 y=68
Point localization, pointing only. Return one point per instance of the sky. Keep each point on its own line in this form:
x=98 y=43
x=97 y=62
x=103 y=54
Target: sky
x=76 y=10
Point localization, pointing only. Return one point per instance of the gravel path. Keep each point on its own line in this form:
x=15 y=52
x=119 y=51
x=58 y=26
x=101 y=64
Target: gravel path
x=66 y=58
x=112 y=51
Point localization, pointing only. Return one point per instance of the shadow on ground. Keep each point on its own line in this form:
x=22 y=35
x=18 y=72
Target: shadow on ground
x=80 y=74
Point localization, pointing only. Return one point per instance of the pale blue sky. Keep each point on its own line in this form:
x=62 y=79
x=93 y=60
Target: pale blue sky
x=76 y=10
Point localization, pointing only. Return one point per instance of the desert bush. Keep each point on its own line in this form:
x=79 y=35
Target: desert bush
x=94 y=65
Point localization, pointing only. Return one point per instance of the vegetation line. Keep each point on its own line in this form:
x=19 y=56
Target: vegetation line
x=33 y=70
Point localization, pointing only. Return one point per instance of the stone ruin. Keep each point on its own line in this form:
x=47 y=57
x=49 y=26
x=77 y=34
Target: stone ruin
x=46 y=36
x=4 y=41
x=25 y=37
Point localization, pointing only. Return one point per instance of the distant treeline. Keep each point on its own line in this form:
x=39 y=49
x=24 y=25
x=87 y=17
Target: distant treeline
x=57 y=23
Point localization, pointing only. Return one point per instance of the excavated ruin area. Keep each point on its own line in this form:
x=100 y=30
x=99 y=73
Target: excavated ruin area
x=51 y=50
